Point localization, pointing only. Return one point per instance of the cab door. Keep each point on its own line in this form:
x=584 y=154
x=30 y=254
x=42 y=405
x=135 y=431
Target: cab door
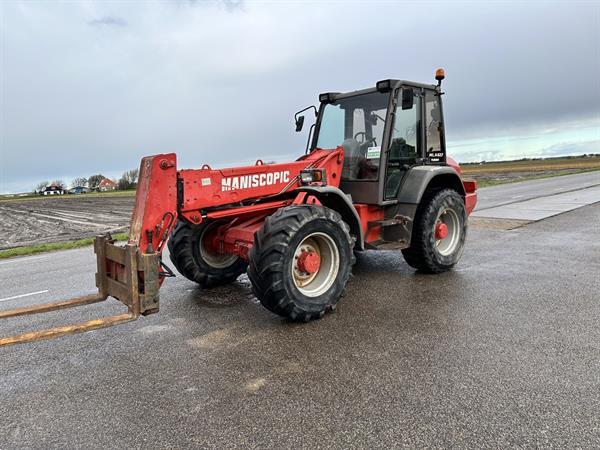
x=405 y=148
x=435 y=152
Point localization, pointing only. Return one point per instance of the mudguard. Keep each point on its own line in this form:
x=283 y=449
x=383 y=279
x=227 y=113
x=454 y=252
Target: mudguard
x=335 y=199
x=419 y=178
x=415 y=183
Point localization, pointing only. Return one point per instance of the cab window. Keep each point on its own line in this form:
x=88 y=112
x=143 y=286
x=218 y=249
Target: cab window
x=357 y=124
x=404 y=145
x=332 y=128
x=433 y=128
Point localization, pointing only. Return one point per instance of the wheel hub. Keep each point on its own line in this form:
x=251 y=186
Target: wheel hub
x=447 y=231
x=209 y=251
x=316 y=264
x=309 y=262
x=441 y=230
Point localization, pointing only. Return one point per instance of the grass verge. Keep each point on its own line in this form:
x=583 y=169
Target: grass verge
x=40 y=248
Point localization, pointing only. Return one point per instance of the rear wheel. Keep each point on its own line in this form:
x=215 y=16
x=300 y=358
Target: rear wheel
x=195 y=260
x=439 y=232
x=301 y=261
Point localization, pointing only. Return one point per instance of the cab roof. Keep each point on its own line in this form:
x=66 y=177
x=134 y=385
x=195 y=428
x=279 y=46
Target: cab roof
x=380 y=86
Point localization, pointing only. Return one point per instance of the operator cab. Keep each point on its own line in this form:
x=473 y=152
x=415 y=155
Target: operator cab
x=385 y=131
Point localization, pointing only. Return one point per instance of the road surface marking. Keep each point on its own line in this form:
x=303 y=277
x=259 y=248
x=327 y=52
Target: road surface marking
x=22 y=295
x=517 y=196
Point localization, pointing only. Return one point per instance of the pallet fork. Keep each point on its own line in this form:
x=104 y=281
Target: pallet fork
x=131 y=273
x=123 y=272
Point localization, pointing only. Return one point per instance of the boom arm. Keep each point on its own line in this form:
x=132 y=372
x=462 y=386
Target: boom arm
x=165 y=195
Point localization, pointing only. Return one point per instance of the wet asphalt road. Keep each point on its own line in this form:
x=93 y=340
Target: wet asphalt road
x=504 y=351
x=525 y=190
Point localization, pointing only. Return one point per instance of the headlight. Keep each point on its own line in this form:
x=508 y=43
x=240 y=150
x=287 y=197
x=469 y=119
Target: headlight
x=310 y=176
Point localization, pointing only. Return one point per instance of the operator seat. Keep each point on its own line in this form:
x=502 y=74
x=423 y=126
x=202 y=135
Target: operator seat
x=401 y=156
x=352 y=158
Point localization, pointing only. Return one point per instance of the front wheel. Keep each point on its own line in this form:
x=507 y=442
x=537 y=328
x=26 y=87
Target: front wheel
x=301 y=261
x=439 y=232
x=196 y=261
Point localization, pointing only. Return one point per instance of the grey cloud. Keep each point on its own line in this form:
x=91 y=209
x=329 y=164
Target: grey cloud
x=111 y=21
x=572 y=148
x=230 y=5
x=233 y=5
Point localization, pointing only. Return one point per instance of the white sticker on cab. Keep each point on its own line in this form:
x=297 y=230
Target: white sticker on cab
x=205 y=181
x=373 y=152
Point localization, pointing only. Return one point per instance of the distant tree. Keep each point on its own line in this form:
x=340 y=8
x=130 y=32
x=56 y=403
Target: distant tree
x=41 y=185
x=79 y=181
x=59 y=182
x=123 y=184
x=94 y=180
x=133 y=174
x=129 y=179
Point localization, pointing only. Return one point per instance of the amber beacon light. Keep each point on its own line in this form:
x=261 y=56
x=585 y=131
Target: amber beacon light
x=440 y=74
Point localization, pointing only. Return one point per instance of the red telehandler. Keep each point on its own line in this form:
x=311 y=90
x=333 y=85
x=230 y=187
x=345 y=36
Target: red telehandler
x=375 y=176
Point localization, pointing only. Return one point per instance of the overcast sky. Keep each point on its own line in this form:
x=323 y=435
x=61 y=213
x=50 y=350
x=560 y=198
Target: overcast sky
x=88 y=87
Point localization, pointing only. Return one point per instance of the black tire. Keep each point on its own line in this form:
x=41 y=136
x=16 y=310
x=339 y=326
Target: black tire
x=191 y=261
x=424 y=254
x=272 y=261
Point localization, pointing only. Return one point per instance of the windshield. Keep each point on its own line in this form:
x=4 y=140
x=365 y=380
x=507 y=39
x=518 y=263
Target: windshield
x=357 y=124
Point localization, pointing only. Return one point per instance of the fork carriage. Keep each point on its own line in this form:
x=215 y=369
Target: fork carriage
x=123 y=272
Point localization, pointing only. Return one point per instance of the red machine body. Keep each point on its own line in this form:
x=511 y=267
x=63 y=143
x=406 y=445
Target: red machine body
x=247 y=194
x=241 y=196
x=384 y=182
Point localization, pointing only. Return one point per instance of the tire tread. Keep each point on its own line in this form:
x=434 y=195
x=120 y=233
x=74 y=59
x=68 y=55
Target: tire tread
x=271 y=243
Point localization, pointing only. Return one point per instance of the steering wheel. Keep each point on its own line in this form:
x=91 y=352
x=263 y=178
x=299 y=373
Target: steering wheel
x=365 y=139
x=360 y=133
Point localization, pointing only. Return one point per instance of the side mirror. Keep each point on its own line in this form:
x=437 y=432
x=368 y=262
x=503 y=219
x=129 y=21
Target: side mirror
x=299 y=123
x=408 y=97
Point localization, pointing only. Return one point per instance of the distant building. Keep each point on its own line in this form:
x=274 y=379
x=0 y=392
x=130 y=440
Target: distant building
x=107 y=185
x=53 y=189
x=79 y=190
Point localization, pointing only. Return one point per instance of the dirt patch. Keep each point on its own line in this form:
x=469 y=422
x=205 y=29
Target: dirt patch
x=31 y=222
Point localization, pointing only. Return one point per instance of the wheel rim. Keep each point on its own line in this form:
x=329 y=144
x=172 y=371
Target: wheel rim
x=316 y=264
x=216 y=260
x=447 y=230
